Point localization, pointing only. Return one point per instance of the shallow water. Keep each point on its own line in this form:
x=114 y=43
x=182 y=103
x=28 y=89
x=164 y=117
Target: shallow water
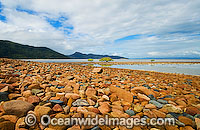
x=188 y=69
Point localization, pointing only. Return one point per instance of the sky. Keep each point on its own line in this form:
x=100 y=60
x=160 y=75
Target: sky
x=129 y=28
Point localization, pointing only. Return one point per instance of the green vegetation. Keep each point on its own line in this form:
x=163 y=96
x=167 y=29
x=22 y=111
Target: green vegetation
x=152 y=60
x=13 y=50
x=90 y=59
x=90 y=65
x=106 y=59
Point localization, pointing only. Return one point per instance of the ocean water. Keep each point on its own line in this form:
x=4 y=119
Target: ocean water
x=188 y=69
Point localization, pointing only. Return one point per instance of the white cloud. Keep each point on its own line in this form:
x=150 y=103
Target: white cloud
x=98 y=22
x=153 y=53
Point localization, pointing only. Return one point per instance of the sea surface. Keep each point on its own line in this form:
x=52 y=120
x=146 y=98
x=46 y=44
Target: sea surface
x=188 y=69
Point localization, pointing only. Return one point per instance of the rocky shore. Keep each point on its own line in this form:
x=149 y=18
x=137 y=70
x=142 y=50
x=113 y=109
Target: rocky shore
x=72 y=90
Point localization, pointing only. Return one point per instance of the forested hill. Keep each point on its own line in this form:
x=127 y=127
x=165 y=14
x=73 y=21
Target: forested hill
x=14 y=50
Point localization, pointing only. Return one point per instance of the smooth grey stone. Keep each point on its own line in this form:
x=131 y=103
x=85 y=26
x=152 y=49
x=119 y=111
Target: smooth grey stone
x=157 y=104
x=130 y=112
x=162 y=101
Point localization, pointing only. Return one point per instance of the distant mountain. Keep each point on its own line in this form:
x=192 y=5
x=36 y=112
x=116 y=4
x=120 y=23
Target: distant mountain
x=13 y=50
x=78 y=55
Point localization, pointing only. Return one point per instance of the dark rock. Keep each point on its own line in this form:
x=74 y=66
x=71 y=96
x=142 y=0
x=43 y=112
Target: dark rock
x=167 y=96
x=3 y=96
x=60 y=87
x=151 y=97
x=156 y=90
x=175 y=115
x=134 y=97
x=197 y=116
x=56 y=102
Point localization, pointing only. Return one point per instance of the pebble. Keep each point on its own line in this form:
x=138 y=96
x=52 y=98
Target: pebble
x=82 y=110
x=192 y=111
x=17 y=107
x=14 y=96
x=151 y=97
x=162 y=101
x=143 y=90
x=90 y=92
x=66 y=109
x=121 y=93
x=106 y=97
x=27 y=93
x=3 y=96
x=56 y=102
x=138 y=108
x=36 y=91
x=186 y=121
x=42 y=110
x=143 y=97
x=187 y=128
x=72 y=95
x=7 y=125
x=159 y=113
x=57 y=108
x=97 y=70
x=150 y=106
x=157 y=104
x=33 y=99
x=80 y=102
x=96 y=128
x=130 y=112
x=104 y=108
x=11 y=118
x=172 y=108
x=197 y=121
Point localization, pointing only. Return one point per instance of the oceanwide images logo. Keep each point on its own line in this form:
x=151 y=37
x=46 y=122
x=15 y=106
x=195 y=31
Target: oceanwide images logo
x=30 y=120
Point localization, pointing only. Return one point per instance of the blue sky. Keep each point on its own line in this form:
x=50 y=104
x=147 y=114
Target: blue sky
x=130 y=28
